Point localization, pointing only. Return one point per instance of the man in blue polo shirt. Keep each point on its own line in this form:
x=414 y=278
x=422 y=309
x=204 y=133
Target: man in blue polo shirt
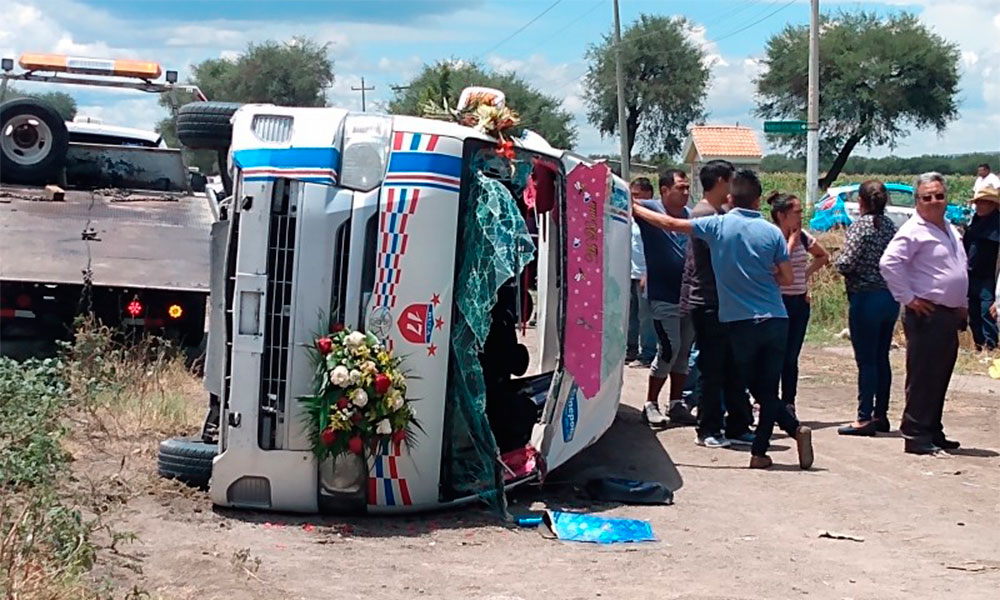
x=750 y=260
x=664 y=252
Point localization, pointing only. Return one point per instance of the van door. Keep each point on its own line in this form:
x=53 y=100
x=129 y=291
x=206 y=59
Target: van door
x=594 y=254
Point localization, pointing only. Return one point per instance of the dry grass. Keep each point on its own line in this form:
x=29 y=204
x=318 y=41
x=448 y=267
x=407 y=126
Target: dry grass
x=105 y=404
x=131 y=390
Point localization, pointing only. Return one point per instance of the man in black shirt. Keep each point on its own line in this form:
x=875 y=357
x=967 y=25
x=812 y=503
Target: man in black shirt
x=982 y=239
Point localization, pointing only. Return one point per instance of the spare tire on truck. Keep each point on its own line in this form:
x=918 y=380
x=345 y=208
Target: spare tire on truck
x=33 y=142
x=188 y=460
x=205 y=125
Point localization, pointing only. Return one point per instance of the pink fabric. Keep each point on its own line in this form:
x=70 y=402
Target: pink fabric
x=521 y=462
x=586 y=193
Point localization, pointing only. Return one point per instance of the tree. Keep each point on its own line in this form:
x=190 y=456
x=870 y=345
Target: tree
x=445 y=80
x=878 y=79
x=666 y=79
x=64 y=104
x=295 y=73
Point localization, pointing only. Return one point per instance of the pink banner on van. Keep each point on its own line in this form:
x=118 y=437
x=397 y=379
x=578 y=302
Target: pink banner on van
x=587 y=189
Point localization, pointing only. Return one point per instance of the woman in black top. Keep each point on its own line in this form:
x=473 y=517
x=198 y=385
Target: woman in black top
x=982 y=239
x=873 y=311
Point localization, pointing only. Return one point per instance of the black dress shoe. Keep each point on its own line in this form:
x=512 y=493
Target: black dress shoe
x=946 y=444
x=920 y=448
x=867 y=430
x=882 y=424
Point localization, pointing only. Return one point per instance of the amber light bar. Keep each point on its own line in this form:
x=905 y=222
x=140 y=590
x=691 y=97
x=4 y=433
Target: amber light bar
x=59 y=63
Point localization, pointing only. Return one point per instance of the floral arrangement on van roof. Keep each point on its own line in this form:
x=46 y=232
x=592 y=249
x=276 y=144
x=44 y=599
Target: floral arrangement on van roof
x=484 y=110
x=360 y=399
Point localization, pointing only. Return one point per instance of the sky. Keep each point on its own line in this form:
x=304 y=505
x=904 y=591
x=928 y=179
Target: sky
x=387 y=42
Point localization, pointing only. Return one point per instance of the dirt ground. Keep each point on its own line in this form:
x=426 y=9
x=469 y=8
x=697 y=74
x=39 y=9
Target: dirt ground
x=929 y=526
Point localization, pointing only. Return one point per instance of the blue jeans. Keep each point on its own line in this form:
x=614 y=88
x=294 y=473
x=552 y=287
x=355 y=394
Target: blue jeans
x=641 y=341
x=872 y=319
x=692 y=391
x=983 y=326
x=723 y=401
x=798 y=320
x=759 y=352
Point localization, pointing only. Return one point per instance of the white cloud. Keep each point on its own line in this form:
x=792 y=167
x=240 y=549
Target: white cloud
x=731 y=89
x=139 y=112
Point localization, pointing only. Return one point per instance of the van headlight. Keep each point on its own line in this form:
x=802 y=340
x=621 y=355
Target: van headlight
x=366 y=149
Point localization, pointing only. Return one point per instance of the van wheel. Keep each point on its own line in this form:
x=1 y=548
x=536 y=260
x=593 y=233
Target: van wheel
x=33 y=141
x=205 y=125
x=188 y=460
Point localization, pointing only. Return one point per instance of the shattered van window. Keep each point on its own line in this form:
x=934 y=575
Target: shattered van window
x=495 y=246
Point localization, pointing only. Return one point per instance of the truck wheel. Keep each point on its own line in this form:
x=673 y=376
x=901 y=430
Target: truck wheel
x=188 y=460
x=33 y=141
x=205 y=125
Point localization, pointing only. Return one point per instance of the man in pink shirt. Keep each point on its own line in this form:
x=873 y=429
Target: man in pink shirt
x=925 y=268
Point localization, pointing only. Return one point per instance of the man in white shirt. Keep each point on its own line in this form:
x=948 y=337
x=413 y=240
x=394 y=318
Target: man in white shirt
x=985 y=178
x=641 y=334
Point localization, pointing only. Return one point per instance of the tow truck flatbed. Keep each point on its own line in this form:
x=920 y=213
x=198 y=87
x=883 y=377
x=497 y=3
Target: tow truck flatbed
x=142 y=239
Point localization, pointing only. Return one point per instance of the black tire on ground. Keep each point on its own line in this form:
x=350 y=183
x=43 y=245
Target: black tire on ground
x=205 y=125
x=27 y=153
x=188 y=460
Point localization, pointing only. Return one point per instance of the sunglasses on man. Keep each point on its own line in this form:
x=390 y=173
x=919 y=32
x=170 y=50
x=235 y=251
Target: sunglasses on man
x=929 y=197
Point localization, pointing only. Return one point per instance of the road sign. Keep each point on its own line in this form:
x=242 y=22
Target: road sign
x=786 y=127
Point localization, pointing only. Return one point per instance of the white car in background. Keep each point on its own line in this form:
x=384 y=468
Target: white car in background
x=91 y=130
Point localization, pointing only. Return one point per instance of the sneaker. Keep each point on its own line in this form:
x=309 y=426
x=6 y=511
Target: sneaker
x=653 y=417
x=680 y=415
x=712 y=441
x=744 y=439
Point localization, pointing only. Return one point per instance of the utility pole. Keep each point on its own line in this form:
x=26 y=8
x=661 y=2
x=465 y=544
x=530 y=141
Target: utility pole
x=812 y=126
x=362 y=89
x=622 y=125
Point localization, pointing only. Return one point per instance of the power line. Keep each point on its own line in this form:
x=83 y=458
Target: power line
x=703 y=45
x=594 y=7
x=760 y=20
x=522 y=28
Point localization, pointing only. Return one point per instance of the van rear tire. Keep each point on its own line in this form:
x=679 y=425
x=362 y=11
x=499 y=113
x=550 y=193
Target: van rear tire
x=206 y=125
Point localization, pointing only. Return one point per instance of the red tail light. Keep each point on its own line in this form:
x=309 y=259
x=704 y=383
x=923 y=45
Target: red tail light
x=134 y=308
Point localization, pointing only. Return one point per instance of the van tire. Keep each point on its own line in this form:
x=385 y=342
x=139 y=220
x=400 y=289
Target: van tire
x=34 y=164
x=188 y=460
x=206 y=125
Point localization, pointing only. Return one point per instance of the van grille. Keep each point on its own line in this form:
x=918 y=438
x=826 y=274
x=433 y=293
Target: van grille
x=277 y=319
x=232 y=246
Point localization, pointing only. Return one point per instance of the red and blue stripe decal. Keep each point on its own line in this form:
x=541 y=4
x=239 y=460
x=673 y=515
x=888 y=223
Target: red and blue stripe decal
x=414 y=162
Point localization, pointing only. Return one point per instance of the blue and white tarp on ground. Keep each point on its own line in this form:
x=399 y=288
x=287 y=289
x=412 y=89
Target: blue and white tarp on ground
x=578 y=527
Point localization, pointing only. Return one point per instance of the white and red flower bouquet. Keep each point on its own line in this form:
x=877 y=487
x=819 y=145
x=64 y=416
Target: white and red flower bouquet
x=360 y=399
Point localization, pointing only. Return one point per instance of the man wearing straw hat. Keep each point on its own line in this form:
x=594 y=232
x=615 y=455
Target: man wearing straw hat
x=982 y=240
